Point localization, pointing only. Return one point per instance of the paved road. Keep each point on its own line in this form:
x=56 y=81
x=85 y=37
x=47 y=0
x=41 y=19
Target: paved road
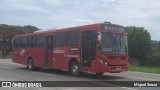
x=15 y=72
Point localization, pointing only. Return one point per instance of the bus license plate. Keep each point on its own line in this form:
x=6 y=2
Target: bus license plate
x=118 y=69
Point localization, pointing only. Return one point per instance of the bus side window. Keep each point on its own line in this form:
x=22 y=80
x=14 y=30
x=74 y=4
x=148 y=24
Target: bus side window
x=34 y=41
x=60 y=39
x=29 y=41
x=40 y=41
x=24 y=42
x=73 y=38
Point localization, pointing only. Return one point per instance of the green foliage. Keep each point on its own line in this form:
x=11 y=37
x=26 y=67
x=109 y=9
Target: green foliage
x=158 y=46
x=148 y=69
x=11 y=30
x=31 y=28
x=139 y=42
x=152 y=59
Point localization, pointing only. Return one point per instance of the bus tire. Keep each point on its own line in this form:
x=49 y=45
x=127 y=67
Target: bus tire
x=99 y=74
x=74 y=68
x=30 y=65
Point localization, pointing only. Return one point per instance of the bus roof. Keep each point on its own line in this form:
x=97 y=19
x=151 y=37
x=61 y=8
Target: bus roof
x=53 y=30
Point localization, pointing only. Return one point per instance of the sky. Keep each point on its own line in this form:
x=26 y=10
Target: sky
x=46 y=14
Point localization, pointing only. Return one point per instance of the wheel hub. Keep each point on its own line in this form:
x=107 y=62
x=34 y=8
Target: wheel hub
x=75 y=68
x=30 y=65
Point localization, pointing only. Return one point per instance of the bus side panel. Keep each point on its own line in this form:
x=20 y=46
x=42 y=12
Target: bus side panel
x=21 y=55
x=59 y=57
x=37 y=55
x=63 y=55
x=72 y=52
x=16 y=56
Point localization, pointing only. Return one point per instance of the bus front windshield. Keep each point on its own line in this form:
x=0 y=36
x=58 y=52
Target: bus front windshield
x=113 y=43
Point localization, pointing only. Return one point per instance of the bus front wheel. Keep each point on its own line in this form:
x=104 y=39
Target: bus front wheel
x=74 y=69
x=30 y=65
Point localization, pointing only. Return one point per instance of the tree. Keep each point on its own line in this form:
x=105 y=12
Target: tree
x=158 y=46
x=31 y=28
x=139 y=43
x=9 y=31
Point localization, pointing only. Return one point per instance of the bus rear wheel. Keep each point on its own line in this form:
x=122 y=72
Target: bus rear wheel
x=74 y=69
x=30 y=65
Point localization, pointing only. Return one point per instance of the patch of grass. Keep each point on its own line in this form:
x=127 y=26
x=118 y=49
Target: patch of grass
x=148 y=69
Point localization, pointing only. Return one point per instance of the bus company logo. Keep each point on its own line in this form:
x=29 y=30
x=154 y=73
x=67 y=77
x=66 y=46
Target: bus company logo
x=22 y=52
x=6 y=84
x=58 y=51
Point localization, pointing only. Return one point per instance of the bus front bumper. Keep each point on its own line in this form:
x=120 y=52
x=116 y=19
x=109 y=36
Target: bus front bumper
x=108 y=68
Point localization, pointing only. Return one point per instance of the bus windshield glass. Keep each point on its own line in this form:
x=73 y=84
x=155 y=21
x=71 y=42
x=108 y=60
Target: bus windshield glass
x=113 y=43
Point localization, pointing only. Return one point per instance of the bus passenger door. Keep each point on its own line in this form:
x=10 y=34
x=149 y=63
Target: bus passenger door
x=88 y=46
x=59 y=51
x=48 y=51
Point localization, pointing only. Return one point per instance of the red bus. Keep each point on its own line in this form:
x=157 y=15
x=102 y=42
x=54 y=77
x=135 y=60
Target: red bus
x=95 y=48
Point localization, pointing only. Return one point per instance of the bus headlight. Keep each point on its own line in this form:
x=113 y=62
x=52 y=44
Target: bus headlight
x=103 y=62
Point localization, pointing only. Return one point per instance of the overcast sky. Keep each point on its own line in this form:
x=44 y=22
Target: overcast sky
x=47 y=14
